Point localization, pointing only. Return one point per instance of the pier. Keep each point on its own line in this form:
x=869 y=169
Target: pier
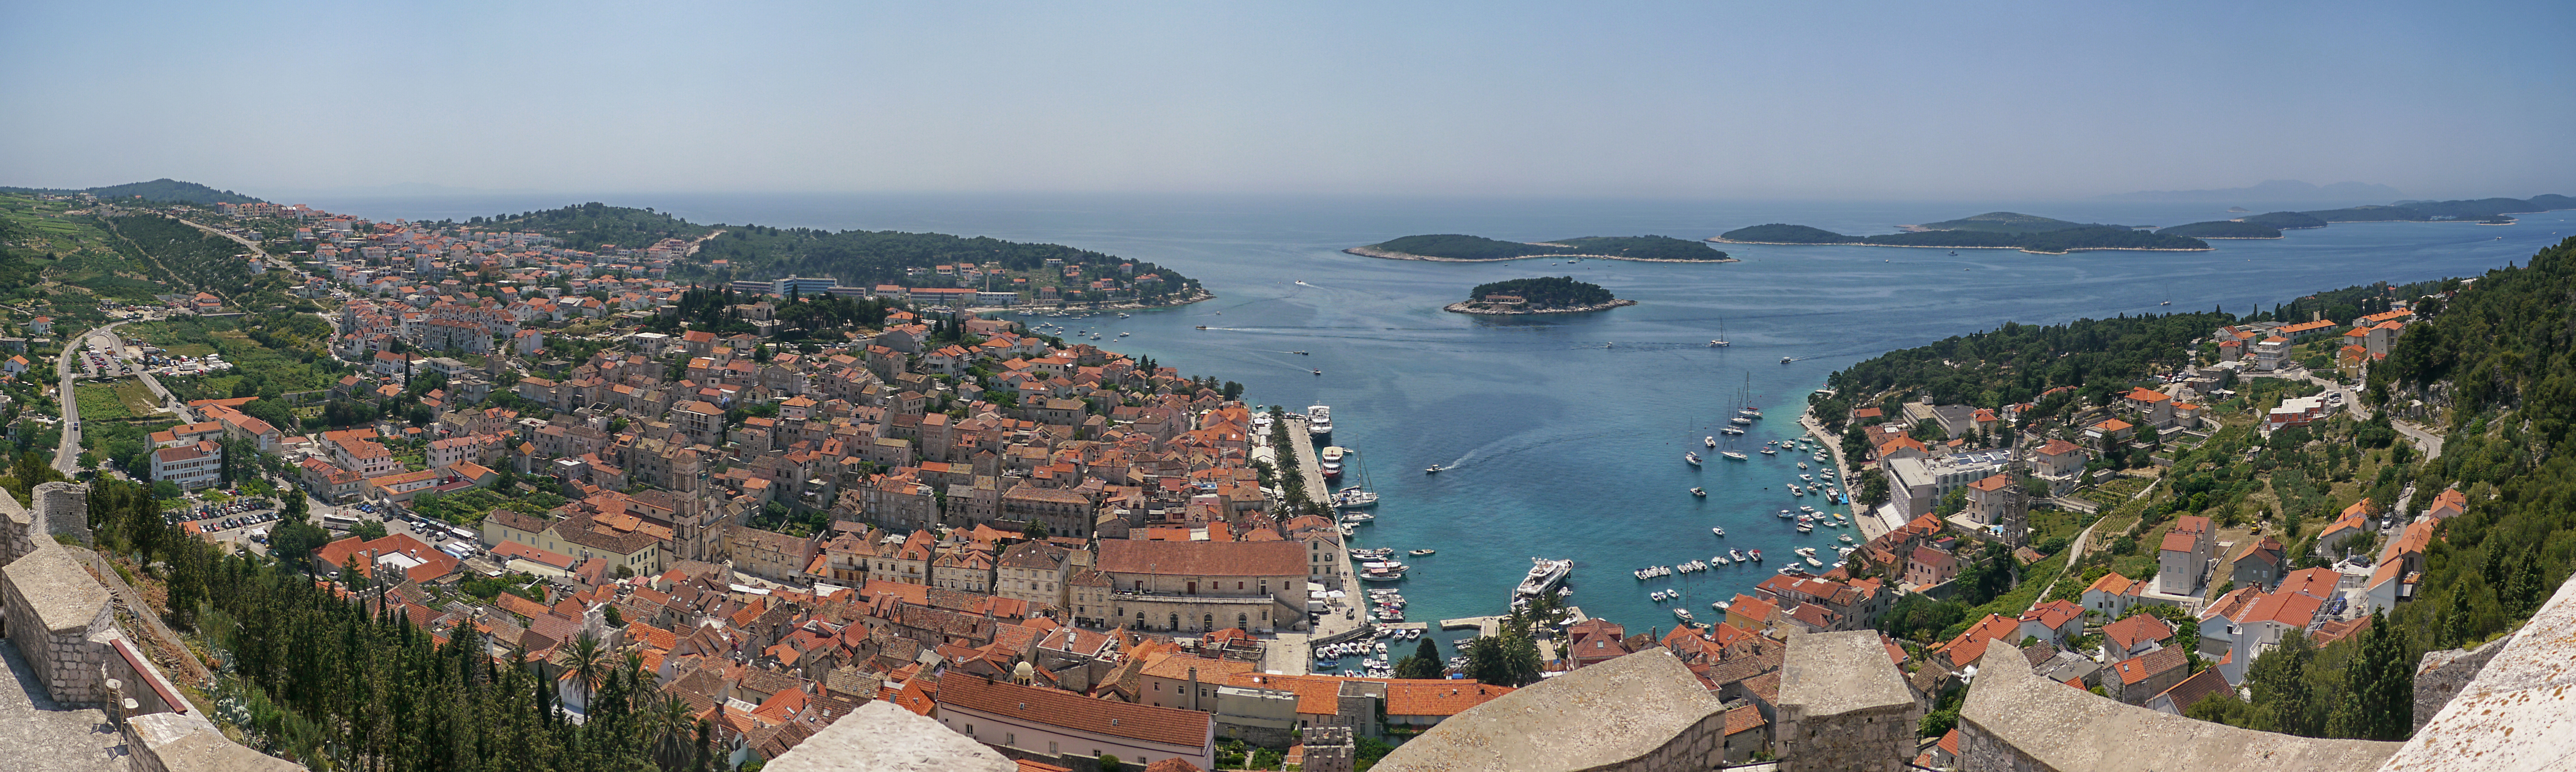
x=1492 y=626
x=1309 y=466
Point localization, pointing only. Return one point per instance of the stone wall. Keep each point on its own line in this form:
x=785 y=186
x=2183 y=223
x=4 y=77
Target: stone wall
x=2440 y=675
x=1643 y=712
x=2015 y=720
x=61 y=620
x=1843 y=706
x=2518 y=713
x=185 y=742
x=63 y=509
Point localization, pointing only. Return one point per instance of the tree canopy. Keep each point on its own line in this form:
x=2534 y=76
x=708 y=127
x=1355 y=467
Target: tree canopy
x=1546 y=292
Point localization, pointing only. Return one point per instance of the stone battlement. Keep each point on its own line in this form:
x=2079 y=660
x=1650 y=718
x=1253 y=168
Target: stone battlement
x=2015 y=720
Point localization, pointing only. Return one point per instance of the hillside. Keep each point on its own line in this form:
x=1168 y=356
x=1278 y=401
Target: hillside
x=164 y=189
x=1457 y=246
x=595 y=225
x=2223 y=229
x=2283 y=220
x=2007 y=222
x=861 y=258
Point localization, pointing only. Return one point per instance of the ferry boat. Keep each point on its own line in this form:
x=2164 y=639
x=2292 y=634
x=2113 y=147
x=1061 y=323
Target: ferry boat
x=1733 y=455
x=1693 y=458
x=1700 y=492
x=1333 y=461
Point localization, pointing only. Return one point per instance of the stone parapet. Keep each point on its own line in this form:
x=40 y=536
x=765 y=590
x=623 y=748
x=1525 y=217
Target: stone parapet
x=184 y=742
x=881 y=737
x=1643 y=712
x=2519 y=712
x=58 y=615
x=2440 y=675
x=2015 y=720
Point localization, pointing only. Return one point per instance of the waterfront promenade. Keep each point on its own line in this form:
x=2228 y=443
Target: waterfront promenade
x=1871 y=527
x=1308 y=465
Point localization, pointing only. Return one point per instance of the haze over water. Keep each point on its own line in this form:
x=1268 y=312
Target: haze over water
x=1563 y=444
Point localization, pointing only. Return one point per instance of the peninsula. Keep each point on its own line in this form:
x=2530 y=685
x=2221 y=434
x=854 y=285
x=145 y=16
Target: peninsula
x=1992 y=230
x=1459 y=248
x=1541 y=295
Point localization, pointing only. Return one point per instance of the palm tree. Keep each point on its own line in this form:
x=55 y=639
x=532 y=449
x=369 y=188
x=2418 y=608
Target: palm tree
x=588 y=661
x=670 y=728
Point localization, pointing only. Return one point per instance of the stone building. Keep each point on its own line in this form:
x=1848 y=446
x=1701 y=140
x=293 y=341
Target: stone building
x=1202 y=586
x=1843 y=706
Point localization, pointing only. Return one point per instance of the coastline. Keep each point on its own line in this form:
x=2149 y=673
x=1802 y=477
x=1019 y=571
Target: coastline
x=1201 y=294
x=1460 y=307
x=1386 y=255
x=1723 y=240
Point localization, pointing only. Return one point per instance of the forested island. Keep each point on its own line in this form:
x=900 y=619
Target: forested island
x=1992 y=230
x=1540 y=295
x=859 y=258
x=1454 y=247
x=2223 y=229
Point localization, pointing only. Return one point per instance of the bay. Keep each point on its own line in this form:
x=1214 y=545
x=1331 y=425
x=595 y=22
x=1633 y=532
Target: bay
x=1565 y=434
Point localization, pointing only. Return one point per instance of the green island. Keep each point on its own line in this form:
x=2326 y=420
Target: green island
x=164 y=190
x=1992 y=230
x=1454 y=247
x=2223 y=229
x=1540 y=295
x=2284 y=220
x=862 y=258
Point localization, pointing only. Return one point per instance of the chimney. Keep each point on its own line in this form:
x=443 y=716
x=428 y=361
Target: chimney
x=1194 y=688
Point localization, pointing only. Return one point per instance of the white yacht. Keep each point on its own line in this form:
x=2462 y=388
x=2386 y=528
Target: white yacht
x=1319 y=421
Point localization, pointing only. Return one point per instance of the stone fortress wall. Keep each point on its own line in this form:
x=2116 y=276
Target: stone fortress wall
x=63 y=623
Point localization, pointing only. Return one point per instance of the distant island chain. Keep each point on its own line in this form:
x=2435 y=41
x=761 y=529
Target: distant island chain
x=1992 y=230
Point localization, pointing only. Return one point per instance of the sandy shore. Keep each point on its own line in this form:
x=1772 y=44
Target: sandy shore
x=1461 y=307
x=1380 y=253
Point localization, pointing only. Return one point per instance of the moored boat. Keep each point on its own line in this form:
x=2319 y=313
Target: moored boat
x=1700 y=492
x=1732 y=455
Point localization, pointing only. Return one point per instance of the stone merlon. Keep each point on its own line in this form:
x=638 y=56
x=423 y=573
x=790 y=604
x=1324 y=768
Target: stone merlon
x=1640 y=711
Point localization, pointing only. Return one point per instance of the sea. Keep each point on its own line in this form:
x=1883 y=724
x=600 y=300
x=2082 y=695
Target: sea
x=1563 y=436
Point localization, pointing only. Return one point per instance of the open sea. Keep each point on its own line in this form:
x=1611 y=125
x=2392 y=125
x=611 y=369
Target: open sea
x=1564 y=435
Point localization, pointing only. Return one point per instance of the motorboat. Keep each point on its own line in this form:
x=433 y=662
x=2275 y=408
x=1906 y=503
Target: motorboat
x=1739 y=420
x=1738 y=555
x=1805 y=528
x=1812 y=561
x=1700 y=492
x=1710 y=441
x=1420 y=553
x=1732 y=455
x=1847 y=539
x=1693 y=458
x=1802 y=464
x=1299 y=353
x=1757 y=555
x=1786 y=360
x=1730 y=430
x=1433 y=469
x=1719 y=560
x=1682 y=614
x=1357 y=517
x=1202 y=326
x=1717 y=530
x=1770 y=452
x=1319 y=372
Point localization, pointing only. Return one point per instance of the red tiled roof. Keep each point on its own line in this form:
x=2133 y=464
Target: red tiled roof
x=1747 y=718
x=1065 y=709
x=2135 y=629
x=2149 y=665
x=1202 y=558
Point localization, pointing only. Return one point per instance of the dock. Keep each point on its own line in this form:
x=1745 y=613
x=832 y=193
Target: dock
x=1492 y=626
x=1309 y=466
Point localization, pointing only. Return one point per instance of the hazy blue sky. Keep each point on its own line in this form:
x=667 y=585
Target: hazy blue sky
x=1842 y=100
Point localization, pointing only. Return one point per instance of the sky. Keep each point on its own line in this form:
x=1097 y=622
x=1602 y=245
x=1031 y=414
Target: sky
x=1851 y=100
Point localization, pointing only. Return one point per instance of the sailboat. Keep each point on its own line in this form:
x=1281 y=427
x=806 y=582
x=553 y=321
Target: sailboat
x=1720 y=342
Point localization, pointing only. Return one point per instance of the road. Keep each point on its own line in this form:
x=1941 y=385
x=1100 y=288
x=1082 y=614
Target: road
x=67 y=457
x=253 y=246
x=2425 y=440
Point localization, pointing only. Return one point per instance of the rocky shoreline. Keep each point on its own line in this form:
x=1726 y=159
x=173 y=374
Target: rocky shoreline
x=1463 y=306
x=1383 y=254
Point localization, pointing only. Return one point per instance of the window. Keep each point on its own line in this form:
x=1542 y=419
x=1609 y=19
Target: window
x=1010 y=738
x=970 y=730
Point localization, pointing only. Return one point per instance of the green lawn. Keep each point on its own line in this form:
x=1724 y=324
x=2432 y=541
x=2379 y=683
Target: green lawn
x=137 y=397
x=98 y=401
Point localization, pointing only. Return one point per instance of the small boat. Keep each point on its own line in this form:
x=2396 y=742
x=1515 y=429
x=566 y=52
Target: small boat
x=1682 y=614
x=1847 y=539
x=1783 y=360
x=1433 y=469
x=1319 y=372
x=1202 y=326
x=1122 y=315
x=1420 y=553
x=1299 y=353
x=1739 y=420
x=1710 y=441
x=1757 y=555
x=1770 y=452
x=1738 y=555
x=1718 y=343
x=1719 y=559
x=1702 y=493
x=1954 y=253
x=1802 y=464
x=1805 y=528
x=1814 y=562
x=1693 y=458
x=1357 y=517
x=1733 y=455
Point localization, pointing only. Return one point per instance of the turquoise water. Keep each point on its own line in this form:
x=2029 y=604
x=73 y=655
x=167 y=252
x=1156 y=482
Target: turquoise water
x=1565 y=434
